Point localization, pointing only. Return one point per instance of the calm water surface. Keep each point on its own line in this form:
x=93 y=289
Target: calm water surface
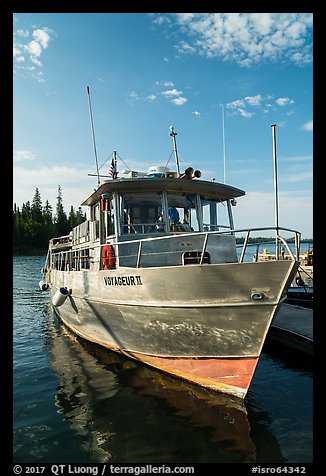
x=75 y=402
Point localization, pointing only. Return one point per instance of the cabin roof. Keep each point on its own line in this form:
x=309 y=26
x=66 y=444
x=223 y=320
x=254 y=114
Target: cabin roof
x=215 y=190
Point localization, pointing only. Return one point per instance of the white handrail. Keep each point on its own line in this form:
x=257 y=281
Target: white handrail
x=206 y=236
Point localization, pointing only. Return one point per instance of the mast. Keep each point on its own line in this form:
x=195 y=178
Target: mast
x=273 y=126
x=223 y=134
x=173 y=134
x=93 y=135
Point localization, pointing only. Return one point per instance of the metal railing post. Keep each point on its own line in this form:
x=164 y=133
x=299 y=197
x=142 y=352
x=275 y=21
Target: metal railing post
x=139 y=254
x=244 y=247
x=204 y=248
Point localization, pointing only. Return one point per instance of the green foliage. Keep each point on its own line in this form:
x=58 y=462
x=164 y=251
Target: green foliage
x=34 y=225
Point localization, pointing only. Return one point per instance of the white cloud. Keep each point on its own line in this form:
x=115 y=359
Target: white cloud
x=244 y=113
x=254 y=100
x=47 y=175
x=296 y=159
x=31 y=51
x=261 y=22
x=298 y=177
x=261 y=103
x=236 y=104
x=185 y=47
x=21 y=155
x=132 y=98
x=23 y=33
x=160 y=20
x=284 y=101
x=151 y=97
x=172 y=92
x=42 y=37
x=179 y=101
x=245 y=38
x=308 y=126
x=33 y=48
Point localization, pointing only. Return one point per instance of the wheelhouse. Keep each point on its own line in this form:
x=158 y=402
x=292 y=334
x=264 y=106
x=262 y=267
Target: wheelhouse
x=148 y=222
x=125 y=207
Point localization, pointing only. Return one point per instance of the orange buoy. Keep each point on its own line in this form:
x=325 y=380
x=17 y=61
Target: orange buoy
x=108 y=257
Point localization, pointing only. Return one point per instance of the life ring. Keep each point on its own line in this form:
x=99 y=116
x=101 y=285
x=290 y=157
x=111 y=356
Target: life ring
x=108 y=257
x=105 y=205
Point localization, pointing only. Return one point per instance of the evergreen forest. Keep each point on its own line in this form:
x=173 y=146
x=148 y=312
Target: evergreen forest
x=35 y=224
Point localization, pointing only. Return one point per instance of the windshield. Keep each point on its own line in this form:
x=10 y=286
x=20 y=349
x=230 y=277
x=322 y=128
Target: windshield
x=142 y=213
x=182 y=211
x=215 y=214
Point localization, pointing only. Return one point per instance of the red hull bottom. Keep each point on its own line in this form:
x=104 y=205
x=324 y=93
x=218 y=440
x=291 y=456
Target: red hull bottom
x=232 y=376
x=226 y=375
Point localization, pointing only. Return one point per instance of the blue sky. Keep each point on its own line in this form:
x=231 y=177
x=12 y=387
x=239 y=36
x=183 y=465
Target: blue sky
x=147 y=72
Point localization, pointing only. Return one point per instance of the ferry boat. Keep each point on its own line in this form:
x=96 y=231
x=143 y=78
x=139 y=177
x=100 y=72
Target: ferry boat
x=154 y=274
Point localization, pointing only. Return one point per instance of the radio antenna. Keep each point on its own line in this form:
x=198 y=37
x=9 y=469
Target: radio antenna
x=273 y=126
x=93 y=135
x=223 y=135
x=173 y=134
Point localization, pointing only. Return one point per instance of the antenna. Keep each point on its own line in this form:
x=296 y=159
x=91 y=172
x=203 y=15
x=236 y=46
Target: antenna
x=273 y=126
x=223 y=134
x=173 y=134
x=93 y=135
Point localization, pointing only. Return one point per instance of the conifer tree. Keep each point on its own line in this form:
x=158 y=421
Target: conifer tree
x=80 y=216
x=61 y=221
x=36 y=209
x=47 y=214
x=47 y=220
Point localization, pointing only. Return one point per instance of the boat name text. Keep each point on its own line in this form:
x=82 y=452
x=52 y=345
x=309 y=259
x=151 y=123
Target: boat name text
x=122 y=281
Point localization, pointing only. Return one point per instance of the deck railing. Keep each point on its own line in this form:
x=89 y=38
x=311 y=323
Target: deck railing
x=80 y=258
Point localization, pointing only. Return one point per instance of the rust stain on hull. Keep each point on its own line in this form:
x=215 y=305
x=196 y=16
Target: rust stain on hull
x=231 y=376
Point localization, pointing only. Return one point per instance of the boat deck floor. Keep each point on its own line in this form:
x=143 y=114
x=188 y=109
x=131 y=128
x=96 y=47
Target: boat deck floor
x=293 y=327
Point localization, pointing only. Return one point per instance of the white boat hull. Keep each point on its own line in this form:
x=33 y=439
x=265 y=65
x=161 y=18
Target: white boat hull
x=172 y=317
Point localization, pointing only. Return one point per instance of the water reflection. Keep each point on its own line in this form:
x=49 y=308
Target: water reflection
x=126 y=412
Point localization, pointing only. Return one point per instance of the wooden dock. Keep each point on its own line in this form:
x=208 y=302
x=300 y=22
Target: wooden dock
x=293 y=327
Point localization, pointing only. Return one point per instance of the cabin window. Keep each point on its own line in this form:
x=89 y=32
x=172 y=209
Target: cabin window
x=108 y=216
x=215 y=215
x=182 y=212
x=96 y=211
x=142 y=213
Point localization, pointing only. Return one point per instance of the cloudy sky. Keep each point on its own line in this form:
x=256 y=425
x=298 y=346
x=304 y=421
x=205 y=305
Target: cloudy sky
x=147 y=72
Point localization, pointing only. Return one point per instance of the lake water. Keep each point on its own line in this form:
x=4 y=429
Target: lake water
x=77 y=403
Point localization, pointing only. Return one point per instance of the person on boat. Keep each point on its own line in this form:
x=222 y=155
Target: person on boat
x=160 y=221
x=186 y=227
x=174 y=218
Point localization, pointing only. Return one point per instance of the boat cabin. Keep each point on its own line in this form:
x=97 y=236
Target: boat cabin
x=155 y=221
